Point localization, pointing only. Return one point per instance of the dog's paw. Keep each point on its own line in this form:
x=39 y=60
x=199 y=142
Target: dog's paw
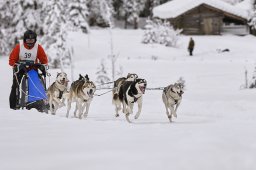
x=170 y=118
x=136 y=116
x=175 y=115
x=117 y=115
x=127 y=118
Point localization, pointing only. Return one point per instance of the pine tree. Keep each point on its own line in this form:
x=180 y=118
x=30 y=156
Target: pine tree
x=31 y=15
x=102 y=74
x=107 y=11
x=77 y=15
x=169 y=36
x=132 y=10
x=253 y=81
x=252 y=20
x=10 y=23
x=55 y=38
x=18 y=16
x=118 y=8
x=3 y=45
x=97 y=11
x=161 y=32
x=148 y=8
x=150 y=33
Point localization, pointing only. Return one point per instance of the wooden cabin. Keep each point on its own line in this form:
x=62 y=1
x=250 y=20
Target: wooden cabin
x=205 y=19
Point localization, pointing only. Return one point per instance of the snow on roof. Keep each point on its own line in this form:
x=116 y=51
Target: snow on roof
x=175 y=8
x=245 y=5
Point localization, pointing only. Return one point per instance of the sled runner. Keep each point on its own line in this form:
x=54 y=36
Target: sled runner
x=31 y=86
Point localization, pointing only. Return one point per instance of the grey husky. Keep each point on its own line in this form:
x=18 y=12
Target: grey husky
x=56 y=92
x=172 y=96
x=81 y=92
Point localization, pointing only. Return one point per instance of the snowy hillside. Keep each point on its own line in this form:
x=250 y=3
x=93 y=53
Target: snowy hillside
x=214 y=129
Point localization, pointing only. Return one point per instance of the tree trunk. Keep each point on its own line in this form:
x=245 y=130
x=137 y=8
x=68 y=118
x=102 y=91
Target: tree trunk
x=125 y=21
x=135 y=24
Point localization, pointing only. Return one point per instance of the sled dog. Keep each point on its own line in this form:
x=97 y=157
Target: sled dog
x=172 y=96
x=56 y=92
x=81 y=92
x=116 y=89
x=131 y=92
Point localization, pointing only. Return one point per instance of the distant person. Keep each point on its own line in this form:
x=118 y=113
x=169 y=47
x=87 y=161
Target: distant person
x=191 y=46
x=26 y=50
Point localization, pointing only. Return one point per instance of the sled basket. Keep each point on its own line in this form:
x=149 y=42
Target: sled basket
x=36 y=90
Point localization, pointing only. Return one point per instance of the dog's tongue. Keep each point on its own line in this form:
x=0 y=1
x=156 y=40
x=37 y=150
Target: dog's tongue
x=142 y=88
x=63 y=82
x=90 y=94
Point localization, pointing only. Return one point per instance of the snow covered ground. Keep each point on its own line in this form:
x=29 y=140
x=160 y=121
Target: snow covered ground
x=215 y=128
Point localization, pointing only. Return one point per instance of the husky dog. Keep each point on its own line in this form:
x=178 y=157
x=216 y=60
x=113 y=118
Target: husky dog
x=56 y=92
x=131 y=92
x=116 y=89
x=172 y=96
x=81 y=92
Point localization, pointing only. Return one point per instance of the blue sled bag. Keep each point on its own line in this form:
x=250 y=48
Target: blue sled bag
x=36 y=89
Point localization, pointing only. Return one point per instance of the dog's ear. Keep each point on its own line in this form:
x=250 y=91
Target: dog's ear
x=87 y=77
x=58 y=74
x=172 y=88
x=177 y=85
x=145 y=81
x=80 y=77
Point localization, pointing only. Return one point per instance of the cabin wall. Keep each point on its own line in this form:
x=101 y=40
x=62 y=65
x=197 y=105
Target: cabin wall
x=200 y=21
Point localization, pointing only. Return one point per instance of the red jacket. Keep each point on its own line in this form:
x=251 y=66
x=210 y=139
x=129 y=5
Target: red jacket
x=14 y=56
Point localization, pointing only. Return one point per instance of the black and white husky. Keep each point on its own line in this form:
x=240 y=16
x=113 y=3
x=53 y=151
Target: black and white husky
x=131 y=92
x=117 y=84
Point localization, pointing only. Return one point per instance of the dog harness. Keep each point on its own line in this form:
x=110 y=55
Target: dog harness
x=60 y=94
x=135 y=98
x=165 y=91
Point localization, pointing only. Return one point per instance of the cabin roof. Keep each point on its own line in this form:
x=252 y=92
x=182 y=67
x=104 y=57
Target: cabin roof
x=175 y=8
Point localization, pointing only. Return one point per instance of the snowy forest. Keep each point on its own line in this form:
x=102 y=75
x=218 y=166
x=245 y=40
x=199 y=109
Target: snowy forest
x=53 y=19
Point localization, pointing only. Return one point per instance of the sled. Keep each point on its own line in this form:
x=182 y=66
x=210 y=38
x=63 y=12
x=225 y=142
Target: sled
x=31 y=86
